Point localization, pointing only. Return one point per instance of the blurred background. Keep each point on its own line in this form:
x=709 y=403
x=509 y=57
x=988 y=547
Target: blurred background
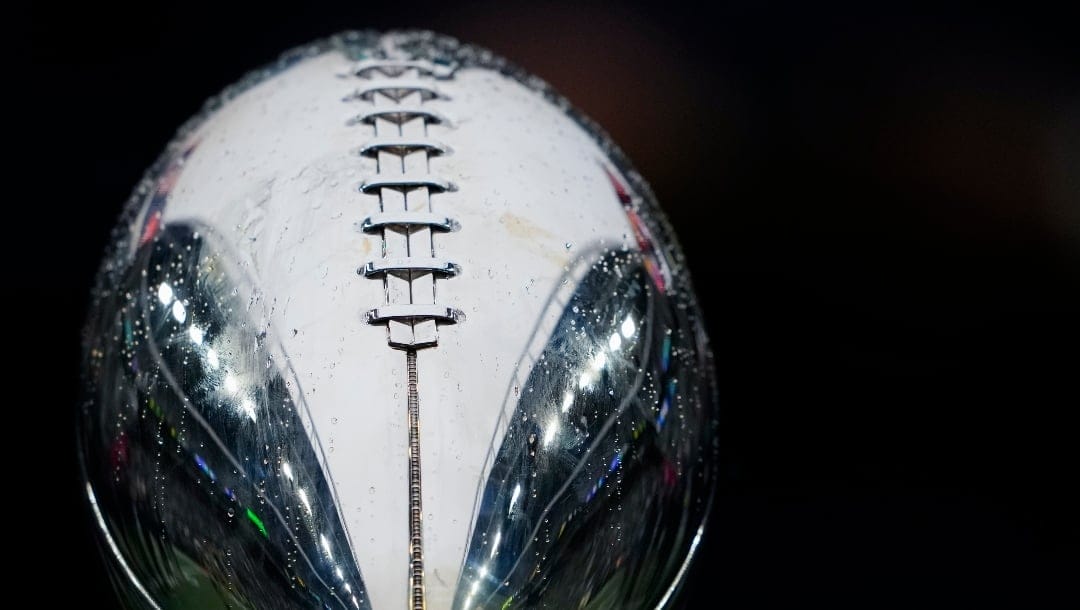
x=881 y=211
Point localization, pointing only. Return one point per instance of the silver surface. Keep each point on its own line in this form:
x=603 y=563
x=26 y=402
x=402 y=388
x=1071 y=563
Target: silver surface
x=420 y=263
x=401 y=114
x=248 y=437
x=202 y=477
x=382 y=219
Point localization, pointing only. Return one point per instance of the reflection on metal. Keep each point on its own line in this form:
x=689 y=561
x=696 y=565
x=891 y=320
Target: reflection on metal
x=681 y=574
x=406 y=182
x=407 y=219
x=194 y=450
x=420 y=263
x=411 y=312
x=396 y=89
x=402 y=146
x=569 y=432
x=131 y=579
x=594 y=498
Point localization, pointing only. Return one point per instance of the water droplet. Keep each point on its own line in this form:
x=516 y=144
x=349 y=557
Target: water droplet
x=569 y=245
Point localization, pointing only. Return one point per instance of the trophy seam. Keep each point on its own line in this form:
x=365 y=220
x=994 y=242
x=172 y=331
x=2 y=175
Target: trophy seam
x=397 y=95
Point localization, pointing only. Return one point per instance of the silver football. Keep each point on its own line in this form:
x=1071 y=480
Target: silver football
x=391 y=325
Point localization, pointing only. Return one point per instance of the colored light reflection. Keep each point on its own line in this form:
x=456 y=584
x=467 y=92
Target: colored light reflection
x=203 y=466
x=615 y=461
x=257 y=521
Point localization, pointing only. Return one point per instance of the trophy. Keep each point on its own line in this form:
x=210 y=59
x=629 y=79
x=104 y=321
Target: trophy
x=390 y=324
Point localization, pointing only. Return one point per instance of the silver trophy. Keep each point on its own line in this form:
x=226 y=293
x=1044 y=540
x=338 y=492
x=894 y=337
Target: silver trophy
x=391 y=325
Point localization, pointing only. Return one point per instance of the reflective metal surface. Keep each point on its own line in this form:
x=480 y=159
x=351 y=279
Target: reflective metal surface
x=542 y=437
x=599 y=488
x=199 y=467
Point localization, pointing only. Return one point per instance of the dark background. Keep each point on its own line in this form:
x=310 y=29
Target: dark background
x=881 y=211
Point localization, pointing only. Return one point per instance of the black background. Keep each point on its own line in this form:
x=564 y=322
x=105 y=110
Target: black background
x=881 y=210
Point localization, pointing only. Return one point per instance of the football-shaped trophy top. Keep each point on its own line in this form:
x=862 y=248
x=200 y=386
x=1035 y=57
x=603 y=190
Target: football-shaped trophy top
x=391 y=325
